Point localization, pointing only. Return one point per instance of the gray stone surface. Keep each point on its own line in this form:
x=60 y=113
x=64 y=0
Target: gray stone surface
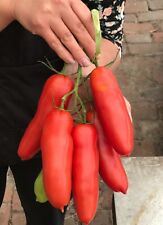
x=143 y=204
x=141 y=80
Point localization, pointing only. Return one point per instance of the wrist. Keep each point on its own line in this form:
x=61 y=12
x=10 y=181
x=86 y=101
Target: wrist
x=10 y=9
x=108 y=53
x=6 y=13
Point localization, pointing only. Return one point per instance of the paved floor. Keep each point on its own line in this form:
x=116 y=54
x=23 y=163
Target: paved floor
x=143 y=203
x=11 y=212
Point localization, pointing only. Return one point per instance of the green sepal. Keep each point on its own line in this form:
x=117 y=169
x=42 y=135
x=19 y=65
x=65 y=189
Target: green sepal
x=39 y=189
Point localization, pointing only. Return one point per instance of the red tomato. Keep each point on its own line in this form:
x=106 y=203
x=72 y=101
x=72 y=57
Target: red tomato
x=111 y=110
x=57 y=153
x=54 y=89
x=110 y=166
x=85 y=171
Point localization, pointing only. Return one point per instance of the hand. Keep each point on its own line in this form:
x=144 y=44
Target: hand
x=64 y=24
x=108 y=54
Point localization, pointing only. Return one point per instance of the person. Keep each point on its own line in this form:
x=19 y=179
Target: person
x=62 y=31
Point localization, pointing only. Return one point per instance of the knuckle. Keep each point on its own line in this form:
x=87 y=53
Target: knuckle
x=54 y=45
x=46 y=8
x=67 y=37
x=80 y=28
x=52 y=42
x=39 y=30
x=78 y=53
x=37 y=22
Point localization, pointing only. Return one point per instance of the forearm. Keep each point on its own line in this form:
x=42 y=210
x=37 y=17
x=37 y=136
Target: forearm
x=5 y=13
x=109 y=52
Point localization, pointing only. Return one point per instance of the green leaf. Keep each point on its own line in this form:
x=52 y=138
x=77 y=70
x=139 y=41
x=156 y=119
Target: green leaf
x=39 y=189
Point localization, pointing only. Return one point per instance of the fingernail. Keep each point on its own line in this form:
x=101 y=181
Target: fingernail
x=85 y=62
x=72 y=61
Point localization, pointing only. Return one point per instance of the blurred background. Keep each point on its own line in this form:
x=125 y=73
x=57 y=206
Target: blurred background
x=141 y=78
x=141 y=73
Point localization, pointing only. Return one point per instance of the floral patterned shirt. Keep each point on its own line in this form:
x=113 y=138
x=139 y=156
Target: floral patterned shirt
x=111 y=18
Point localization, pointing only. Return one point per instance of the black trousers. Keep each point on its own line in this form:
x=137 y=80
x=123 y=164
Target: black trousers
x=25 y=174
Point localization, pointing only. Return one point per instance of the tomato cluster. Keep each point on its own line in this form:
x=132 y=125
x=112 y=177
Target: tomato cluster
x=75 y=153
x=80 y=141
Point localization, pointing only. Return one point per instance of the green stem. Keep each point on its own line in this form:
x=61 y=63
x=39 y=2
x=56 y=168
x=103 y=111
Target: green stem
x=79 y=72
x=88 y=97
x=77 y=94
x=50 y=66
x=83 y=109
x=65 y=97
x=77 y=97
x=98 y=38
x=75 y=111
x=63 y=71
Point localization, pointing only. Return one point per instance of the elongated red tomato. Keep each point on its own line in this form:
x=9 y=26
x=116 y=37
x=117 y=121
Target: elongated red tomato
x=54 y=89
x=57 y=153
x=85 y=171
x=110 y=166
x=111 y=110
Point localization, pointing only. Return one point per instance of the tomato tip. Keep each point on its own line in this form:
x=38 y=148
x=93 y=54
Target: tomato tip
x=62 y=209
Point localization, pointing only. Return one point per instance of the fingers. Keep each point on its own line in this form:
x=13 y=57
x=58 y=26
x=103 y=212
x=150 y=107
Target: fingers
x=68 y=30
x=84 y=14
x=57 y=46
x=69 y=41
x=80 y=32
x=87 y=70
